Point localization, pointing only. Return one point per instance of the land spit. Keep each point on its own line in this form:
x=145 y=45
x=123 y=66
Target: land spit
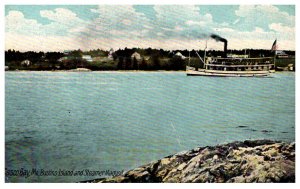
x=237 y=162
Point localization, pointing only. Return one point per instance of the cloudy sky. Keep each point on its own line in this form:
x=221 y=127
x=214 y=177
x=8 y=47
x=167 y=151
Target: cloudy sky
x=58 y=28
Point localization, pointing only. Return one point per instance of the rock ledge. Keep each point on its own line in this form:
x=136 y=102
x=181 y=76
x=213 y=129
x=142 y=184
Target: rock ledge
x=238 y=162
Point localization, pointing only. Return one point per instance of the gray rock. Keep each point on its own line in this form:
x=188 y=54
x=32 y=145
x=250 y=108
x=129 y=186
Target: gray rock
x=248 y=161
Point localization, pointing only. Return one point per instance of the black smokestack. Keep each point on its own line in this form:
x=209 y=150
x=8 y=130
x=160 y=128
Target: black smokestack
x=218 y=38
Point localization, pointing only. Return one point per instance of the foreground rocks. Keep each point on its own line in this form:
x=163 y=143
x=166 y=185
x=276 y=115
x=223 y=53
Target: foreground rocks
x=248 y=161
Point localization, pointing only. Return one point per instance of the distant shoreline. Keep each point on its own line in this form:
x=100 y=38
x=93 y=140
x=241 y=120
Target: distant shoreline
x=95 y=71
x=121 y=71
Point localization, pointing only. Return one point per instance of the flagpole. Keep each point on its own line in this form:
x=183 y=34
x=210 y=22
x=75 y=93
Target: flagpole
x=205 y=54
x=275 y=52
x=189 y=58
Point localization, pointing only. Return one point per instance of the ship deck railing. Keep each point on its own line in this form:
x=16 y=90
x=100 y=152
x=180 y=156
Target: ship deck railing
x=238 y=58
x=240 y=61
x=239 y=65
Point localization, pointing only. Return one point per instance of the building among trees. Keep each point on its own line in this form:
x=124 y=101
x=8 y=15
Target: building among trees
x=137 y=56
x=111 y=54
x=180 y=55
x=88 y=58
x=26 y=62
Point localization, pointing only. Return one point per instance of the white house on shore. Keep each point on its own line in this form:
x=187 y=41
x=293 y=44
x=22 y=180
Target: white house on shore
x=88 y=58
x=136 y=55
x=111 y=54
x=62 y=59
x=180 y=55
x=25 y=63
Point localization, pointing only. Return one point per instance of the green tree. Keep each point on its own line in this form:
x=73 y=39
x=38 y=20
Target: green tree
x=177 y=63
x=128 y=64
x=143 y=64
x=155 y=61
x=135 y=63
x=120 y=63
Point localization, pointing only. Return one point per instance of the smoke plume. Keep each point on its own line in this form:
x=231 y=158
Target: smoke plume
x=218 y=38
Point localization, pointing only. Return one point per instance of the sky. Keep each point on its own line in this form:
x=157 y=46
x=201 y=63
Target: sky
x=85 y=27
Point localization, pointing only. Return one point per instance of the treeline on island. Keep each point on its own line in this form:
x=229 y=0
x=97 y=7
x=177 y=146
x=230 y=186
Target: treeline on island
x=121 y=59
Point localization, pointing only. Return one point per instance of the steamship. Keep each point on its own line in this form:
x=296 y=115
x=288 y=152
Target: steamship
x=233 y=66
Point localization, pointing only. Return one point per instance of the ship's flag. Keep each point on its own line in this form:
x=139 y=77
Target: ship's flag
x=274 y=46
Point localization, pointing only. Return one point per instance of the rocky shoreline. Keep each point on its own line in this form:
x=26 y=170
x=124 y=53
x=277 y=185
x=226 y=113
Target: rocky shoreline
x=236 y=162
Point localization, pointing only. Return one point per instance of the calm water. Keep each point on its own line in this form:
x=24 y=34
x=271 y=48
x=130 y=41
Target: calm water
x=117 y=121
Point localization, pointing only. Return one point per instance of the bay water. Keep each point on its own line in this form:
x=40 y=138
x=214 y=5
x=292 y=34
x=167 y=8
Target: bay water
x=116 y=121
